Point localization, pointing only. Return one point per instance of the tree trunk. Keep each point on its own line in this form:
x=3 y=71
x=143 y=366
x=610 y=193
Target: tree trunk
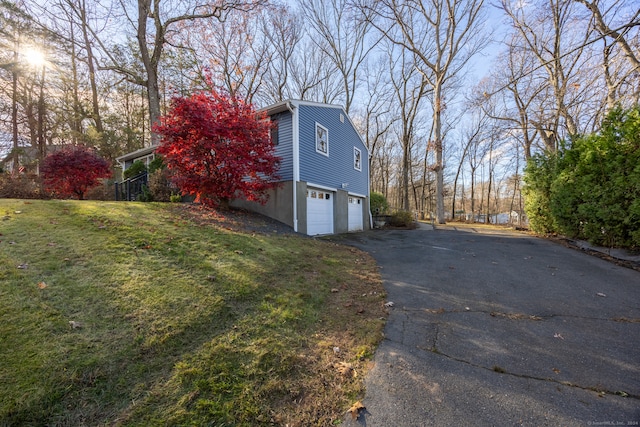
x=437 y=129
x=76 y=119
x=92 y=70
x=405 y=173
x=14 y=114
x=150 y=60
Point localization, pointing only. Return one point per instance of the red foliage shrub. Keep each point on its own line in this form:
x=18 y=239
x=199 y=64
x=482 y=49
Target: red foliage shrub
x=72 y=171
x=218 y=148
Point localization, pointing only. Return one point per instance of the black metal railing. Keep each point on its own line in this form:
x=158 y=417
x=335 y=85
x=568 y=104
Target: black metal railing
x=131 y=189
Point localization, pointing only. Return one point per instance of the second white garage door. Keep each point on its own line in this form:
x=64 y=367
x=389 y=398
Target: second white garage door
x=319 y=212
x=355 y=213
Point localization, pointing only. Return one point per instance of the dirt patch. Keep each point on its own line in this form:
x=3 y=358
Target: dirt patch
x=233 y=219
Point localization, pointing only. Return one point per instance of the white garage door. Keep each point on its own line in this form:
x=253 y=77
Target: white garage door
x=319 y=212
x=355 y=214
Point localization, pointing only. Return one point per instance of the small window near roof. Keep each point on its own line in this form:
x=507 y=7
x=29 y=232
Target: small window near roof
x=322 y=139
x=357 y=159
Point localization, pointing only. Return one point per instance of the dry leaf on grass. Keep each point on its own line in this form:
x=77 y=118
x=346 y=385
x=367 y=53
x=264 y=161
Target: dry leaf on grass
x=356 y=409
x=74 y=324
x=42 y=285
x=346 y=369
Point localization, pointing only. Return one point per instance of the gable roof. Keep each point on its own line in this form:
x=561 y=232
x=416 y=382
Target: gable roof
x=135 y=154
x=290 y=104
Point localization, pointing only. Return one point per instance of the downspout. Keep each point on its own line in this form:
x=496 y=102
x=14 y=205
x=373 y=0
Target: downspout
x=296 y=161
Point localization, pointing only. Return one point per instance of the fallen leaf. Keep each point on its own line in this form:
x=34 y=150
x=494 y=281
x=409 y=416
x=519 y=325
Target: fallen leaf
x=600 y=294
x=556 y=370
x=239 y=252
x=356 y=409
x=51 y=244
x=42 y=285
x=74 y=324
x=23 y=266
x=389 y=304
x=556 y=335
x=334 y=290
x=346 y=369
x=336 y=350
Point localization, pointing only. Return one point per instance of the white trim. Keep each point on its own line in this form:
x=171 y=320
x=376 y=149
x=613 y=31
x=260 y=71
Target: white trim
x=326 y=132
x=295 y=129
x=321 y=187
x=362 y=196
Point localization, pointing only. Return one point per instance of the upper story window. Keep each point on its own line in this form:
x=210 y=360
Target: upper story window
x=357 y=159
x=322 y=139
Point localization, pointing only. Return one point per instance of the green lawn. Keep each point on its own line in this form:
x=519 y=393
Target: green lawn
x=139 y=314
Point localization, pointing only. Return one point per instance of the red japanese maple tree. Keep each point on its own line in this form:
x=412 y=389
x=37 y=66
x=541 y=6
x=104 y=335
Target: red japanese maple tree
x=74 y=170
x=218 y=148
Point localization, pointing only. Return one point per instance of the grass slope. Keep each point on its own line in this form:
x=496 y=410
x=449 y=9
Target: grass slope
x=148 y=314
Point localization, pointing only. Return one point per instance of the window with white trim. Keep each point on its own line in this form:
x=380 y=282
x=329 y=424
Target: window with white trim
x=357 y=159
x=322 y=139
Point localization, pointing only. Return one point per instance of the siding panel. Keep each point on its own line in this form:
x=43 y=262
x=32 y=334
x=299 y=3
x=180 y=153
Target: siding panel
x=284 y=150
x=337 y=168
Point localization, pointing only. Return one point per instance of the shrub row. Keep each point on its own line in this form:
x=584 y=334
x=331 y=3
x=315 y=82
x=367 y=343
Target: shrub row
x=590 y=190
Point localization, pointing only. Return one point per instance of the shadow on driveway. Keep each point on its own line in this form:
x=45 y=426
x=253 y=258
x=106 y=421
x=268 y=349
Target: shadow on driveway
x=500 y=328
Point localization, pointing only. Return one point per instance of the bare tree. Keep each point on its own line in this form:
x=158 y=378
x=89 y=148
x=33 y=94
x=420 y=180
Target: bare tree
x=443 y=36
x=153 y=22
x=374 y=117
x=469 y=137
x=409 y=90
x=283 y=29
x=344 y=36
x=621 y=38
x=554 y=33
x=234 y=53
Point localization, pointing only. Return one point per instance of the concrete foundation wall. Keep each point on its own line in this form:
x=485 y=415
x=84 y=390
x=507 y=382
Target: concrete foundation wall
x=340 y=212
x=366 y=220
x=302 y=206
x=279 y=206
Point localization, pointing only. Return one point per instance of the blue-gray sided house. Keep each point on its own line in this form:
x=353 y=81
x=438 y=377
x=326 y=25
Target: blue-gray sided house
x=324 y=170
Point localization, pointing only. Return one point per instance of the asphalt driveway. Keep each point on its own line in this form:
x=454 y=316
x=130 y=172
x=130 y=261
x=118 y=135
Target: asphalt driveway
x=501 y=329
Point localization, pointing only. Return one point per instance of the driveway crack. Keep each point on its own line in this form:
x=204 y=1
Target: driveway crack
x=500 y=370
x=521 y=316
